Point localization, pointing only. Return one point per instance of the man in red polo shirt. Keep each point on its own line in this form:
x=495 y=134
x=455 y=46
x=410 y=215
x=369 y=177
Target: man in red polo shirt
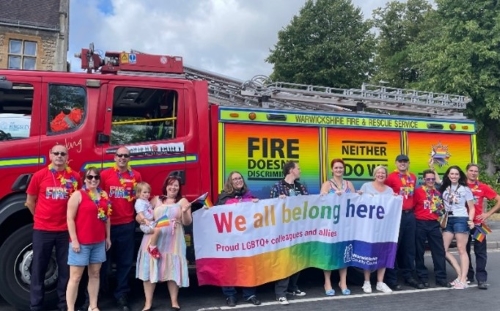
x=47 y=199
x=119 y=182
x=403 y=183
x=428 y=205
x=480 y=192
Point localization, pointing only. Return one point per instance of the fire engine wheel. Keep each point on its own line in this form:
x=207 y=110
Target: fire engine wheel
x=16 y=255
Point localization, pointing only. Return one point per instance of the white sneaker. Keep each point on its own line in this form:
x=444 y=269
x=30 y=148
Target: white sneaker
x=282 y=301
x=297 y=292
x=367 y=287
x=382 y=287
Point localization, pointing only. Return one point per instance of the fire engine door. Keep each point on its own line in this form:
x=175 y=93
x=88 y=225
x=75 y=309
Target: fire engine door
x=148 y=118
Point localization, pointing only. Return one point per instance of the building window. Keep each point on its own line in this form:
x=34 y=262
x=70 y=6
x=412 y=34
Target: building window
x=22 y=54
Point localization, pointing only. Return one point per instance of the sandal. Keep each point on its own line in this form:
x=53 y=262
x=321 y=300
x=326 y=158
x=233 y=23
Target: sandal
x=345 y=291
x=330 y=292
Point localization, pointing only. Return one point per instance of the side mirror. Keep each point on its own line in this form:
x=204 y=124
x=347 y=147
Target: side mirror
x=102 y=138
x=5 y=84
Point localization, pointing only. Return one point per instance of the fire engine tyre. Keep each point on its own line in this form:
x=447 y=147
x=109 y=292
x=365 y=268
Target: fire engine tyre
x=15 y=257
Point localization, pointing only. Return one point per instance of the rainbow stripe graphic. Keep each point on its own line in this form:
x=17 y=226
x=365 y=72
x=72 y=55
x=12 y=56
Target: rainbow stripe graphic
x=263 y=268
x=258 y=153
x=163 y=221
x=258 y=150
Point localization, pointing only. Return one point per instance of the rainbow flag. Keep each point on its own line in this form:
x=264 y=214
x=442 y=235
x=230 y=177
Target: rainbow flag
x=479 y=235
x=203 y=199
x=485 y=228
x=163 y=221
x=207 y=202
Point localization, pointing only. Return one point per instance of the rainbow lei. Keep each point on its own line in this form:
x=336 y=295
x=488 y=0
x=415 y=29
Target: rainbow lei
x=102 y=202
x=67 y=179
x=407 y=182
x=129 y=195
x=432 y=195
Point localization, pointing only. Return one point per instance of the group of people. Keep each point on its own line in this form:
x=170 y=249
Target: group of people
x=92 y=223
x=458 y=194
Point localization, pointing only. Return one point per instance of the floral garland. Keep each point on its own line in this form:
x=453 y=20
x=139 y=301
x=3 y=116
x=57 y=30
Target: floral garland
x=432 y=196
x=129 y=195
x=67 y=178
x=407 y=182
x=102 y=202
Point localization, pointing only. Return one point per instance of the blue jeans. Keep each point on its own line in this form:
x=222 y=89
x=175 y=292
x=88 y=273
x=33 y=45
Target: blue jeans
x=122 y=254
x=89 y=254
x=457 y=225
x=231 y=292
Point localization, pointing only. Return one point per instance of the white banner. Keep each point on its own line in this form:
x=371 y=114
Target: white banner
x=314 y=230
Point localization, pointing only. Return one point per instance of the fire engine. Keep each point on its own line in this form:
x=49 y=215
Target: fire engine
x=200 y=126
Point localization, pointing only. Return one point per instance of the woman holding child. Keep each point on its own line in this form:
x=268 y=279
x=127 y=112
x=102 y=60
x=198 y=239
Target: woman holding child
x=171 y=265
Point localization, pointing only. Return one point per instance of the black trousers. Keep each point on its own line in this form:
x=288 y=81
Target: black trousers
x=405 y=256
x=43 y=244
x=430 y=231
x=480 y=250
x=286 y=284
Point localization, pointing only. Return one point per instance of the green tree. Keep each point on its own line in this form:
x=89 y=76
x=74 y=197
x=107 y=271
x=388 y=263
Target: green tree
x=399 y=24
x=462 y=55
x=327 y=43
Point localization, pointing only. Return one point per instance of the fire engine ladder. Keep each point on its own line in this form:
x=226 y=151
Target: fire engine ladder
x=285 y=95
x=262 y=92
x=227 y=91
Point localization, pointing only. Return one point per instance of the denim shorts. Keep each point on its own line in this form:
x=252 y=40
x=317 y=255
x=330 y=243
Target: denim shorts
x=457 y=225
x=89 y=254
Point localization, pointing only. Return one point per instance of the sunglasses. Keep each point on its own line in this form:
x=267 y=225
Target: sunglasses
x=90 y=177
x=123 y=155
x=430 y=179
x=62 y=154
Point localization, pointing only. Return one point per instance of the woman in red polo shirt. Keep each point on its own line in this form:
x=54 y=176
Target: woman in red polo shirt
x=88 y=225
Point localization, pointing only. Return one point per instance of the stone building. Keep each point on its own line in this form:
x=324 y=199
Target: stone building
x=34 y=34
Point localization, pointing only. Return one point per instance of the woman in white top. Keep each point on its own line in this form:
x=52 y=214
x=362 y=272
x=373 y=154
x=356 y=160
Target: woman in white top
x=376 y=187
x=338 y=186
x=457 y=197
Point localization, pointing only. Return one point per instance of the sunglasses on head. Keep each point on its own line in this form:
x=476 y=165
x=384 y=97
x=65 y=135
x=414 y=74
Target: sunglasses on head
x=90 y=177
x=123 y=155
x=57 y=153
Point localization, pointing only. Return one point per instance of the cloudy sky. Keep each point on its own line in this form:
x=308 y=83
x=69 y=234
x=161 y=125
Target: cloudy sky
x=231 y=37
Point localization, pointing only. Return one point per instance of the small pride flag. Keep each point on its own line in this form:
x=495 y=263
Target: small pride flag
x=479 y=235
x=204 y=199
x=481 y=232
x=485 y=228
x=163 y=221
